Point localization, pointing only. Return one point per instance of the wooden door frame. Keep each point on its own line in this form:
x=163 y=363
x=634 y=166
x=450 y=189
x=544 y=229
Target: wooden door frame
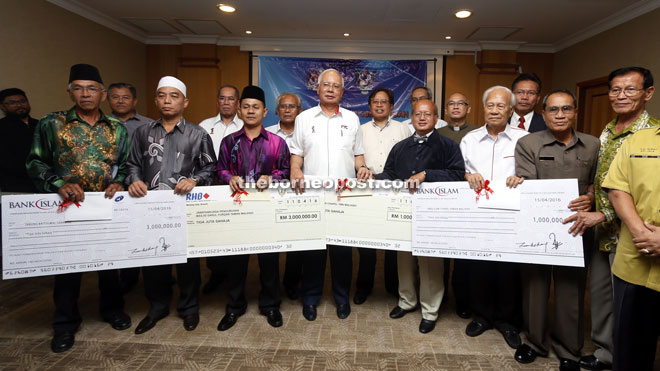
x=581 y=92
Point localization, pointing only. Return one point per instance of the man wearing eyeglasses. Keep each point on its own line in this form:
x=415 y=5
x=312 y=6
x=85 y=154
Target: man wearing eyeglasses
x=630 y=89
x=421 y=93
x=18 y=130
x=289 y=107
x=218 y=127
x=92 y=159
x=557 y=153
x=327 y=142
x=379 y=136
x=527 y=89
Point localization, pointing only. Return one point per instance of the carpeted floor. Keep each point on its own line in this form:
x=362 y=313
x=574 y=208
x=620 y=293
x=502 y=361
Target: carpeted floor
x=367 y=340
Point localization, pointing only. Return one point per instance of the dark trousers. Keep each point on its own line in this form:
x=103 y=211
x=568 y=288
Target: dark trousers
x=67 y=290
x=636 y=326
x=367 y=270
x=341 y=270
x=293 y=269
x=129 y=276
x=495 y=293
x=460 y=283
x=269 y=275
x=217 y=266
x=158 y=288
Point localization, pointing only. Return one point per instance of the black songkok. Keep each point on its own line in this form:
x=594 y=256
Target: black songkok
x=85 y=72
x=253 y=92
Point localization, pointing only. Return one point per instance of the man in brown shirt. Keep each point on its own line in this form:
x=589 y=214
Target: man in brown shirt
x=556 y=153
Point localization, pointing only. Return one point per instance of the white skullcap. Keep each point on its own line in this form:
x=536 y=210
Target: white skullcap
x=172 y=82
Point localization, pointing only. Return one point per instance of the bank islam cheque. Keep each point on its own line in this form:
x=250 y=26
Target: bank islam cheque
x=448 y=222
x=121 y=232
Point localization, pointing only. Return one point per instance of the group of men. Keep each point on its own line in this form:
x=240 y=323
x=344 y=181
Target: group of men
x=82 y=150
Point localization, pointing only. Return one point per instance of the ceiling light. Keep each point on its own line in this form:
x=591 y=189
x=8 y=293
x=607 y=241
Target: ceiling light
x=226 y=8
x=248 y=32
x=463 y=13
x=347 y=34
x=448 y=37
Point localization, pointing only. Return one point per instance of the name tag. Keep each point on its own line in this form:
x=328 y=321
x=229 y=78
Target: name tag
x=547 y=158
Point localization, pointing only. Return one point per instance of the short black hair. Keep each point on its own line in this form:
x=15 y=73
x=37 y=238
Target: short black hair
x=389 y=92
x=563 y=91
x=9 y=92
x=648 y=77
x=237 y=92
x=527 y=77
x=119 y=85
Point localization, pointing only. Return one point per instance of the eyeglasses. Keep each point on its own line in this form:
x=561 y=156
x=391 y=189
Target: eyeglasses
x=629 y=91
x=230 y=98
x=459 y=104
x=382 y=101
x=529 y=93
x=416 y=99
x=89 y=89
x=554 y=110
x=423 y=114
x=287 y=106
x=328 y=85
x=14 y=102
x=121 y=97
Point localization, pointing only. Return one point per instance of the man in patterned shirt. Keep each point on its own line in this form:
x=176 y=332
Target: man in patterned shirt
x=630 y=89
x=252 y=154
x=170 y=153
x=77 y=151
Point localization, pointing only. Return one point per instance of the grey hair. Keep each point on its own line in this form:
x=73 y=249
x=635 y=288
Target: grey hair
x=328 y=70
x=499 y=87
x=299 y=104
x=429 y=92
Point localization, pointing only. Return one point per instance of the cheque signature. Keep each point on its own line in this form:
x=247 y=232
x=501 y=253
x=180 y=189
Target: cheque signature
x=532 y=244
x=162 y=246
x=555 y=243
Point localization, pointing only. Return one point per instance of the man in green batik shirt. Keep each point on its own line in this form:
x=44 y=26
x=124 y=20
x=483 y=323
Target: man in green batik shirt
x=77 y=151
x=630 y=89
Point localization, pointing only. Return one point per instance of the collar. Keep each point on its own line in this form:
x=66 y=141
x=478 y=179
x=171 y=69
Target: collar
x=319 y=111
x=279 y=129
x=263 y=133
x=412 y=141
x=636 y=125
x=507 y=132
x=72 y=115
x=373 y=122
x=547 y=138
x=218 y=120
x=181 y=125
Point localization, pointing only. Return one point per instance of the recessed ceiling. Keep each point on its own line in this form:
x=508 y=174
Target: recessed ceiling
x=544 y=23
x=492 y=33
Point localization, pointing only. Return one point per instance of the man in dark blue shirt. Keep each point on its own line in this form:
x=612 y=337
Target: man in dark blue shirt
x=426 y=156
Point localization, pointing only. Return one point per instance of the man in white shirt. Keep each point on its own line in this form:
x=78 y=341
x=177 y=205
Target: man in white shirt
x=378 y=136
x=327 y=142
x=289 y=106
x=527 y=89
x=495 y=288
x=421 y=93
x=218 y=127
x=227 y=121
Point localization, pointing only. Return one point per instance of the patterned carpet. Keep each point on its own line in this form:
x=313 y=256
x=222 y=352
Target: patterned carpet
x=367 y=340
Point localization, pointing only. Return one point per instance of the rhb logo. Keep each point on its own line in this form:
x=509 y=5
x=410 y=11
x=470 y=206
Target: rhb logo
x=198 y=196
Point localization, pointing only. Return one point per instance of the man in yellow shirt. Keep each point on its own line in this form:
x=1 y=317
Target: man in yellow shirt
x=633 y=191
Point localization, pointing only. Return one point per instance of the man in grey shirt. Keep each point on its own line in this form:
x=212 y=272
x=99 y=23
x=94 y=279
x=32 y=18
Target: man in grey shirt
x=170 y=153
x=122 y=98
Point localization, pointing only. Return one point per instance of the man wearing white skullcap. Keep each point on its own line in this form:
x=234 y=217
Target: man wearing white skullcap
x=175 y=154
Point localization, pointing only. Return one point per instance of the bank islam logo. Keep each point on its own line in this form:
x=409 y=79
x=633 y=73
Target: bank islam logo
x=197 y=196
x=42 y=204
x=438 y=191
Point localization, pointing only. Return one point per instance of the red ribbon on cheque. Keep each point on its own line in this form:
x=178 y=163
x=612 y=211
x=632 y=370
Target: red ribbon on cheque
x=66 y=203
x=342 y=185
x=486 y=190
x=237 y=196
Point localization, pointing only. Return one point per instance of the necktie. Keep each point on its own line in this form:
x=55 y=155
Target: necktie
x=521 y=122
